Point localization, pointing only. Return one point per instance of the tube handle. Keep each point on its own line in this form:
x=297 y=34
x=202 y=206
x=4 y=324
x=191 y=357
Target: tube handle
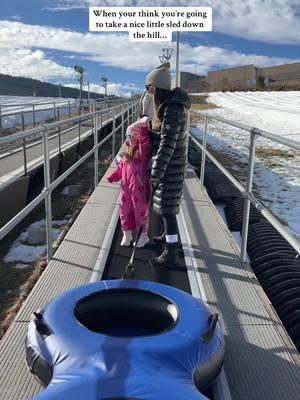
x=209 y=333
x=42 y=328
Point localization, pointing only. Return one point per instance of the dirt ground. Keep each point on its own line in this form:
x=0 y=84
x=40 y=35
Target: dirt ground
x=16 y=283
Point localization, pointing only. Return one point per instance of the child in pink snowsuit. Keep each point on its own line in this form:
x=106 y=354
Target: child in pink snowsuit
x=133 y=173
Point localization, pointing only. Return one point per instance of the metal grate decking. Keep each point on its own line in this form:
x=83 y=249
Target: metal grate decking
x=258 y=364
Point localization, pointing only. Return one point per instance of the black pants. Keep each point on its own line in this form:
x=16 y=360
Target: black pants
x=170 y=224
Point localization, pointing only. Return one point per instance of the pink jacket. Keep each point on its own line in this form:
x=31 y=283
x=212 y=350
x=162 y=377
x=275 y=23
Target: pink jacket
x=134 y=173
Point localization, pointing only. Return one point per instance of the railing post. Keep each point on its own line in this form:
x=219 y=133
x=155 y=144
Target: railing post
x=246 y=214
x=79 y=131
x=54 y=111
x=33 y=114
x=69 y=103
x=188 y=124
x=25 y=156
x=114 y=136
x=23 y=121
x=59 y=142
x=203 y=155
x=47 y=183
x=0 y=121
x=96 y=151
x=123 y=130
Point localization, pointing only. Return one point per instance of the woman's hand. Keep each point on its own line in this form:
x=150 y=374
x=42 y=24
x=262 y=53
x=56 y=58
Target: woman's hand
x=154 y=182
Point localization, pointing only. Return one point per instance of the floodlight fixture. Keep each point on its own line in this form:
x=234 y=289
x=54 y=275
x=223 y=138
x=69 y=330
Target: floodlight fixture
x=104 y=83
x=79 y=69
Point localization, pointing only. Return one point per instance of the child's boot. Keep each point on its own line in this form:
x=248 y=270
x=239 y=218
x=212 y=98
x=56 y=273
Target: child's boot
x=142 y=240
x=127 y=237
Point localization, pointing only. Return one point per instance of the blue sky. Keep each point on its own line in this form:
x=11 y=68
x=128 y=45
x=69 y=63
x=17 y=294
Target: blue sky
x=45 y=39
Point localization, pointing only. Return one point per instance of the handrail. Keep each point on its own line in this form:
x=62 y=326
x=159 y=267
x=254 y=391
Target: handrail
x=63 y=100
x=131 y=108
x=268 y=135
x=246 y=191
x=38 y=130
x=54 y=108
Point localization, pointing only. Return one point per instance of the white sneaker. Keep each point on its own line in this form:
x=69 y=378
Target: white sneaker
x=127 y=237
x=142 y=240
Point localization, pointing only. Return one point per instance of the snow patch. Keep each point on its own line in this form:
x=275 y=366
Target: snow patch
x=276 y=177
x=23 y=253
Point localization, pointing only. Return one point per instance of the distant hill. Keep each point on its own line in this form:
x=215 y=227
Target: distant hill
x=18 y=86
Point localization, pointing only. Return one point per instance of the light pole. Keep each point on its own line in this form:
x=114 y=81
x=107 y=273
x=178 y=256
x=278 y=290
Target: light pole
x=88 y=84
x=80 y=70
x=104 y=84
x=177 y=59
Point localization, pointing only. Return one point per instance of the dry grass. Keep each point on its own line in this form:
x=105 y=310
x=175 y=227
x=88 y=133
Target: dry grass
x=16 y=284
x=199 y=103
x=223 y=158
x=273 y=152
x=14 y=298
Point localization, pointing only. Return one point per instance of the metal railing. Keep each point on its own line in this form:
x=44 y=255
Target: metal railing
x=246 y=191
x=131 y=110
x=28 y=114
x=33 y=136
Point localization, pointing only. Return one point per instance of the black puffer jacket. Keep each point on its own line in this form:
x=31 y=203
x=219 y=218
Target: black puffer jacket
x=169 y=163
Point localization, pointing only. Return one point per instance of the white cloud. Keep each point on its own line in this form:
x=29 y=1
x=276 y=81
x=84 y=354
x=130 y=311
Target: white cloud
x=31 y=64
x=16 y=17
x=270 y=21
x=205 y=57
x=109 y=49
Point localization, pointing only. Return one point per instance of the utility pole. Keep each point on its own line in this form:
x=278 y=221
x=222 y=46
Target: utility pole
x=177 y=60
x=80 y=71
x=88 y=83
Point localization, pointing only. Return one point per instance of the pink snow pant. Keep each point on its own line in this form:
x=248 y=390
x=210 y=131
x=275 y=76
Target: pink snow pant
x=133 y=208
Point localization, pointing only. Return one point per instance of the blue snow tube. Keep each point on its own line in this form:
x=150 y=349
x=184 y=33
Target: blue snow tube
x=122 y=339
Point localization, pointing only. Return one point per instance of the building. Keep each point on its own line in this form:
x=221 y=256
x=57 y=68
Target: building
x=238 y=78
x=246 y=77
x=192 y=83
x=287 y=75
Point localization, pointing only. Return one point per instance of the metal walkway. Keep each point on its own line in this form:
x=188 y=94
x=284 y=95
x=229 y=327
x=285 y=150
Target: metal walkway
x=260 y=361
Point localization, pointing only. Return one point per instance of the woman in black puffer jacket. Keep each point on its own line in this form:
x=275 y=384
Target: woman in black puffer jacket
x=169 y=162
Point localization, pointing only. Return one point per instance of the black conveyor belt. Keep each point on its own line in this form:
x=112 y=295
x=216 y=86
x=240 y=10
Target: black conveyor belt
x=119 y=258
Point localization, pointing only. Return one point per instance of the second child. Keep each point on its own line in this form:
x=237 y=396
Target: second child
x=133 y=171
